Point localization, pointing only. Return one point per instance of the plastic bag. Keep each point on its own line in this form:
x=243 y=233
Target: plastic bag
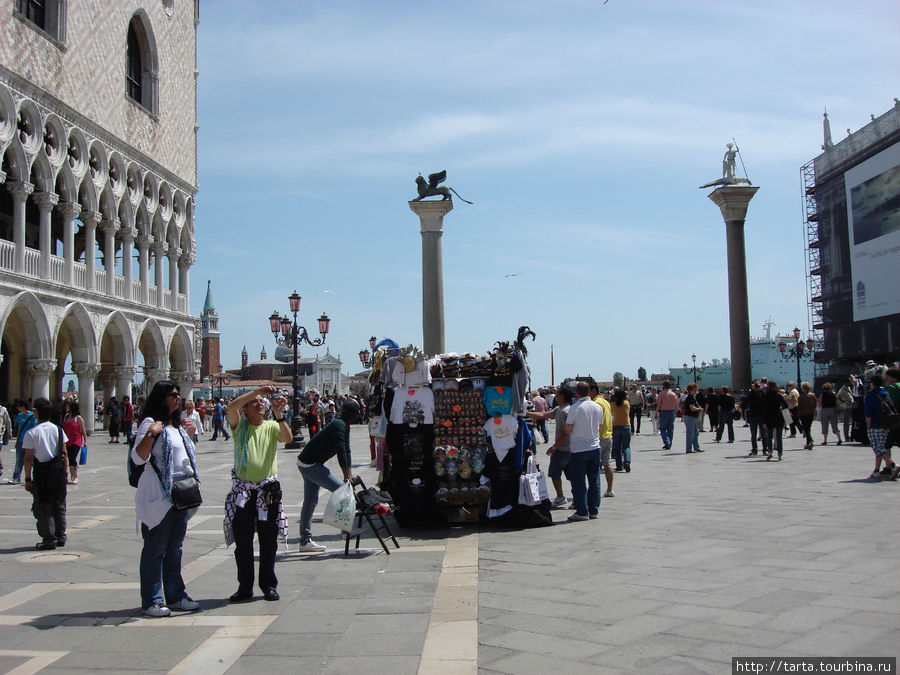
x=341 y=508
x=82 y=459
x=532 y=485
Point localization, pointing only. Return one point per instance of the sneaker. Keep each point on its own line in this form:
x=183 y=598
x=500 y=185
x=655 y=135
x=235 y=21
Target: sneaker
x=875 y=475
x=312 y=547
x=559 y=501
x=594 y=516
x=373 y=463
x=609 y=493
x=895 y=471
x=699 y=450
x=627 y=467
x=45 y=545
x=185 y=605
x=75 y=482
x=574 y=518
x=158 y=610
x=753 y=454
x=60 y=543
x=12 y=481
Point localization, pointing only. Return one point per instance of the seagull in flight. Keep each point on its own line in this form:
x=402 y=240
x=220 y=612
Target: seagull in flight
x=512 y=274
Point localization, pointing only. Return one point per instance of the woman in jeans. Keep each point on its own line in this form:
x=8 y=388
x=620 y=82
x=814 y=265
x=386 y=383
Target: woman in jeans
x=621 y=431
x=692 y=410
x=828 y=412
x=806 y=411
x=845 y=406
x=773 y=419
x=165 y=440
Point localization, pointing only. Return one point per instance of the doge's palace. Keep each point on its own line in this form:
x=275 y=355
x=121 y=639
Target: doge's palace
x=98 y=137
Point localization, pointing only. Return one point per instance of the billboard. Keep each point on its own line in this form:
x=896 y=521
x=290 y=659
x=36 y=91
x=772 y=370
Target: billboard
x=873 y=215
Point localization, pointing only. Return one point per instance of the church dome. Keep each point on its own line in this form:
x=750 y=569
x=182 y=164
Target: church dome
x=284 y=354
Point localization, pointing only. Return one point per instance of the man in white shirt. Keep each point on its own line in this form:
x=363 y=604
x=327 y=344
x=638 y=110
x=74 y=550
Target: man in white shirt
x=44 y=445
x=583 y=433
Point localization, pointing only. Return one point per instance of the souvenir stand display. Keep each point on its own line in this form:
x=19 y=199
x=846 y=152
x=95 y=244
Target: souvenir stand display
x=456 y=440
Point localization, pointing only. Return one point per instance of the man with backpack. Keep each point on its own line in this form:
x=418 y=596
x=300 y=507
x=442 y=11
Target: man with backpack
x=881 y=418
x=45 y=461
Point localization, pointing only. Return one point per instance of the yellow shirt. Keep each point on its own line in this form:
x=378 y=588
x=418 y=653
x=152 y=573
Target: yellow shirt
x=606 y=426
x=260 y=446
x=620 y=414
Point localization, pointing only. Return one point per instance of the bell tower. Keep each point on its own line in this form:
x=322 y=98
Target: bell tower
x=209 y=336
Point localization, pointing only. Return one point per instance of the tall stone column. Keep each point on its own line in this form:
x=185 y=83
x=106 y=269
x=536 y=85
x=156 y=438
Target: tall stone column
x=159 y=250
x=40 y=376
x=127 y=234
x=185 y=381
x=143 y=243
x=431 y=225
x=155 y=375
x=86 y=373
x=45 y=202
x=174 y=253
x=124 y=375
x=69 y=210
x=110 y=227
x=90 y=220
x=19 y=191
x=733 y=201
x=184 y=277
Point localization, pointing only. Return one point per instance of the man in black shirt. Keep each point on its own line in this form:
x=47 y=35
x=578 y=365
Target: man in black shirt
x=754 y=417
x=333 y=439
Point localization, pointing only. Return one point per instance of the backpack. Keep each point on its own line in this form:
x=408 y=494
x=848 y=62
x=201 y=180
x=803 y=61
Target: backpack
x=136 y=470
x=889 y=419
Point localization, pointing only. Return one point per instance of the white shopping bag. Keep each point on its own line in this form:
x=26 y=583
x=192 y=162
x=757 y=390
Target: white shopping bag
x=341 y=508
x=532 y=485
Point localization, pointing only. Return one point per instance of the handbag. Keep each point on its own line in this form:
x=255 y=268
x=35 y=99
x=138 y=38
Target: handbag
x=532 y=485
x=186 y=494
x=788 y=419
x=82 y=458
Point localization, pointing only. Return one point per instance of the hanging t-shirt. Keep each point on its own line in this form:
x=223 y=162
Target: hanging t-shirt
x=502 y=430
x=498 y=400
x=413 y=405
x=414 y=378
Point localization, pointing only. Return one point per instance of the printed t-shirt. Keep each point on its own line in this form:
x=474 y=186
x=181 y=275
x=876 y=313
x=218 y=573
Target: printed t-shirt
x=585 y=416
x=44 y=440
x=607 y=424
x=498 y=400
x=262 y=446
x=502 y=430
x=413 y=405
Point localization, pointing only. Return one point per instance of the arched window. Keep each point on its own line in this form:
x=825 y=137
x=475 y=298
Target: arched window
x=48 y=15
x=142 y=64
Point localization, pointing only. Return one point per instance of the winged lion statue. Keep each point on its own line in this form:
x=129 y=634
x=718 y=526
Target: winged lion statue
x=433 y=189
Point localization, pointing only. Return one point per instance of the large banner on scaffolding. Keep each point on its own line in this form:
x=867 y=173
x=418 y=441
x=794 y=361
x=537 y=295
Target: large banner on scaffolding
x=873 y=214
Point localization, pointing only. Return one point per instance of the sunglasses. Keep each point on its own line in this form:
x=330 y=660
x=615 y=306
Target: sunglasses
x=174 y=394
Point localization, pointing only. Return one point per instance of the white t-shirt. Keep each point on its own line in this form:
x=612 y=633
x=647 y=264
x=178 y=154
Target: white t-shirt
x=43 y=439
x=413 y=405
x=586 y=418
x=181 y=461
x=502 y=430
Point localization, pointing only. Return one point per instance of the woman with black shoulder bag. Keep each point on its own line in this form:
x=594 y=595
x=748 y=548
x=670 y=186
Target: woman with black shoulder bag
x=167 y=495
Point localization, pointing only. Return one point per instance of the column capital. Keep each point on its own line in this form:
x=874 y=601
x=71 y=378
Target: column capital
x=110 y=225
x=122 y=372
x=45 y=201
x=41 y=365
x=733 y=200
x=431 y=214
x=183 y=377
x=144 y=240
x=69 y=210
x=174 y=252
x=20 y=189
x=89 y=217
x=188 y=259
x=154 y=375
x=86 y=369
x=159 y=247
x=128 y=234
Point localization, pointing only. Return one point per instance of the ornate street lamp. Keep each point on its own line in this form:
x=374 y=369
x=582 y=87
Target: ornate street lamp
x=799 y=351
x=697 y=371
x=220 y=378
x=365 y=354
x=289 y=334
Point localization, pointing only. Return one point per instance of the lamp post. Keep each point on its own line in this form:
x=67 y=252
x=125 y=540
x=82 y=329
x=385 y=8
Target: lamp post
x=694 y=369
x=798 y=351
x=365 y=354
x=289 y=334
x=220 y=378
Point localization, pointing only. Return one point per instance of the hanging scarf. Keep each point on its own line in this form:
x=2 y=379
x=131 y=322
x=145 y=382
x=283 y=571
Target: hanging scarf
x=168 y=459
x=238 y=498
x=240 y=435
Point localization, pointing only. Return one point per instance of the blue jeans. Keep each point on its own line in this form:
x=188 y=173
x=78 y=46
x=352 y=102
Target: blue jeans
x=219 y=426
x=314 y=477
x=585 y=467
x=773 y=437
x=161 y=560
x=20 y=462
x=667 y=426
x=621 y=445
x=727 y=419
x=691 y=434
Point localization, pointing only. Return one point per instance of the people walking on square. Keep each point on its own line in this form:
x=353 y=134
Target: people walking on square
x=792 y=396
x=712 y=408
x=828 y=414
x=73 y=425
x=700 y=397
x=621 y=431
x=190 y=413
x=540 y=406
x=219 y=421
x=877 y=429
x=45 y=476
x=754 y=402
x=312 y=419
x=201 y=410
x=583 y=432
x=333 y=439
x=692 y=410
x=127 y=418
x=666 y=405
x=5 y=432
x=255 y=502
x=25 y=419
x=725 y=406
x=846 y=400
x=651 y=407
x=635 y=410
x=806 y=412
x=163 y=440
x=114 y=414
x=606 y=441
x=559 y=451
x=773 y=403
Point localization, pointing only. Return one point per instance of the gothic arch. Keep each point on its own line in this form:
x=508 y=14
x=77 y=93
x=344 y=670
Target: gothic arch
x=29 y=312
x=66 y=186
x=7 y=115
x=142 y=66
x=152 y=345
x=42 y=174
x=15 y=163
x=84 y=343
x=180 y=351
x=116 y=342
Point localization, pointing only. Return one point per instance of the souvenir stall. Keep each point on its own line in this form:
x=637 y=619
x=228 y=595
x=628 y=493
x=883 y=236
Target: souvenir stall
x=455 y=437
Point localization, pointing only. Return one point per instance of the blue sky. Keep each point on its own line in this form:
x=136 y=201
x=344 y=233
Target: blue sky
x=580 y=130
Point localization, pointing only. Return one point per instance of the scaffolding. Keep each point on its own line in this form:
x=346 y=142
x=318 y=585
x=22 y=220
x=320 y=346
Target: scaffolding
x=816 y=325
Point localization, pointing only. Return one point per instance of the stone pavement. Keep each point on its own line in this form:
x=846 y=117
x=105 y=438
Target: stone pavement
x=697 y=559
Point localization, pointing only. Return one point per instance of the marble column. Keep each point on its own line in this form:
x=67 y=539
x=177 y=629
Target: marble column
x=40 y=370
x=109 y=229
x=45 y=201
x=733 y=201
x=184 y=278
x=127 y=235
x=69 y=210
x=143 y=243
x=174 y=253
x=90 y=220
x=124 y=376
x=159 y=250
x=185 y=381
x=155 y=375
x=86 y=373
x=431 y=225
x=19 y=191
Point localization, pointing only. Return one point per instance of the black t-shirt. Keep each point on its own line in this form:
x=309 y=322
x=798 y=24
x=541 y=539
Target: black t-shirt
x=701 y=399
x=712 y=400
x=829 y=399
x=688 y=402
x=726 y=402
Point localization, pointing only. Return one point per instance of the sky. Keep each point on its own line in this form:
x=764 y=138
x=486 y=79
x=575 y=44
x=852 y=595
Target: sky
x=580 y=130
